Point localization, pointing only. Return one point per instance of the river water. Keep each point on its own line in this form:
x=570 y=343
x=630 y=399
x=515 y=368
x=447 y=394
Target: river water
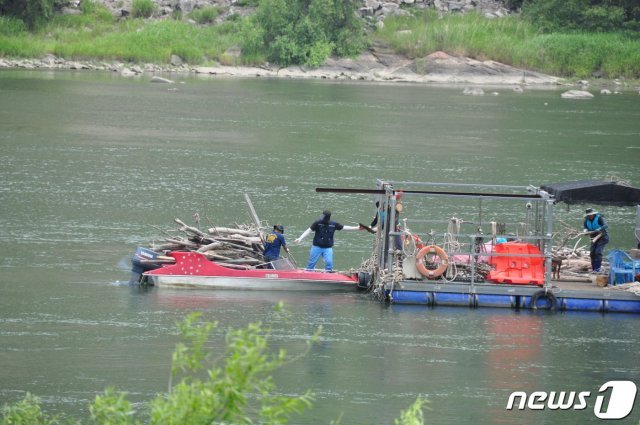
x=93 y=165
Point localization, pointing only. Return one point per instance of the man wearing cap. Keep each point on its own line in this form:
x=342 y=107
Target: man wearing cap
x=322 y=246
x=596 y=227
x=273 y=242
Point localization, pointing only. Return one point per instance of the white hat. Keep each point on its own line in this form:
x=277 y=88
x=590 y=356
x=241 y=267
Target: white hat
x=590 y=211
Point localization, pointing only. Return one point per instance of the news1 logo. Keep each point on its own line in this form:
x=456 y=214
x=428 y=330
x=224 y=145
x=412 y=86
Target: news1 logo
x=614 y=404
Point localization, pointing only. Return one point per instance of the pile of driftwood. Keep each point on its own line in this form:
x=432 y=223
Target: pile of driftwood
x=571 y=252
x=239 y=247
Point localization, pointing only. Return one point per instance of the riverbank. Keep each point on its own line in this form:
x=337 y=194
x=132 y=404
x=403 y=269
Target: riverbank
x=422 y=47
x=371 y=66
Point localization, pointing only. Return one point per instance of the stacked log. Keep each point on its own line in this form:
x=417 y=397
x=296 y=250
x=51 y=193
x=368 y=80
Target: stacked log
x=572 y=252
x=239 y=247
x=576 y=261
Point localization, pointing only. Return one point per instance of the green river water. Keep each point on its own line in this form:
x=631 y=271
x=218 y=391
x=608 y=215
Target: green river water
x=92 y=164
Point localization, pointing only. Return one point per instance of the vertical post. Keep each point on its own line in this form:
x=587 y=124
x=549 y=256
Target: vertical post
x=474 y=258
x=637 y=231
x=384 y=232
x=548 y=243
x=391 y=229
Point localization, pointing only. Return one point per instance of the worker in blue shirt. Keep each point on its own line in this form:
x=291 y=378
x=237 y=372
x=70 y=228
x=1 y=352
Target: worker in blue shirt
x=596 y=228
x=322 y=246
x=274 y=241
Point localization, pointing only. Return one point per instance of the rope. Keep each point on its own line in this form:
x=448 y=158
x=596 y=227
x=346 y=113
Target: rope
x=451 y=242
x=386 y=279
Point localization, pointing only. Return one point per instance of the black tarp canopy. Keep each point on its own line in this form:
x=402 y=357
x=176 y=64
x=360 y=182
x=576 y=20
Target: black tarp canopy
x=600 y=192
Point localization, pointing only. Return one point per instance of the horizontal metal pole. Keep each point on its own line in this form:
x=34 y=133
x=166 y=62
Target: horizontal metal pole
x=475 y=195
x=486 y=186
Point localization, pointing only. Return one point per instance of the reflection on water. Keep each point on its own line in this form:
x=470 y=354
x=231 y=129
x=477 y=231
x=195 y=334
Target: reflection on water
x=93 y=165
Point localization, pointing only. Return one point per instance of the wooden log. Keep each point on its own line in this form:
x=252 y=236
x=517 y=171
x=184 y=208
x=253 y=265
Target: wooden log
x=246 y=239
x=235 y=245
x=228 y=252
x=166 y=260
x=190 y=229
x=166 y=247
x=211 y=246
x=229 y=230
x=253 y=261
x=217 y=257
x=200 y=240
x=185 y=243
x=237 y=242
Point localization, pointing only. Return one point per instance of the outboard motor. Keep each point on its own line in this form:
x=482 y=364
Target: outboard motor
x=142 y=261
x=364 y=281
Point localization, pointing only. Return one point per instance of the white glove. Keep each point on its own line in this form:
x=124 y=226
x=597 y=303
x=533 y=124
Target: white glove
x=302 y=236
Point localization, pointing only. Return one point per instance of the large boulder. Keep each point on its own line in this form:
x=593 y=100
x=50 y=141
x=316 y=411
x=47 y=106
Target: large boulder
x=576 y=94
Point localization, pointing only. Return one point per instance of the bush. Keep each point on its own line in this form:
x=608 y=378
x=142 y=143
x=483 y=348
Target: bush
x=574 y=15
x=99 y=10
x=26 y=412
x=34 y=13
x=205 y=15
x=11 y=27
x=143 y=8
x=304 y=32
x=237 y=390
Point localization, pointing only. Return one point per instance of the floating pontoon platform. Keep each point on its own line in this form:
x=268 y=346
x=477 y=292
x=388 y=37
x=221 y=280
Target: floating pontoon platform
x=563 y=296
x=460 y=262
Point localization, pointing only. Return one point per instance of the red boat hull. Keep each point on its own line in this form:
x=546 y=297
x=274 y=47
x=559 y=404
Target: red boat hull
x=193 y=269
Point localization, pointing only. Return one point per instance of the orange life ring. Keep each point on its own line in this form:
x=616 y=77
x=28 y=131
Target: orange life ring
x=444 y=261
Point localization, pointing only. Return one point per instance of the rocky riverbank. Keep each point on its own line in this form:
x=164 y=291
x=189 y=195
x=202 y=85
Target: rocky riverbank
x=373 y=66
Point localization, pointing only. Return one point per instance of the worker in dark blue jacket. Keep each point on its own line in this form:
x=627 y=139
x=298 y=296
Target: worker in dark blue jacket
x=324 y=229
x=274 y=241
x=596 y=227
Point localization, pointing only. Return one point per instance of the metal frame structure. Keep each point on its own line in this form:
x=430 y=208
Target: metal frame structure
x=538 y=200
x=391 y=282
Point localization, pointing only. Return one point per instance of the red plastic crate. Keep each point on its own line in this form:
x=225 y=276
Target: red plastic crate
x=517 y=270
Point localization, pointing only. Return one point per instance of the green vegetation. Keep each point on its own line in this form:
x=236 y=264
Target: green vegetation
x=236 y=390
x=304 y=32
x=33 y=12
x=95 y=35
x=518 y=42
x=569 y=38
x=205 y=15
x=142 y=8
x=583 y=15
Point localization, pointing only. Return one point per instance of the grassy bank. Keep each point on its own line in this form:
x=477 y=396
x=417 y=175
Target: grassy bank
x=95 y=35
x=99 y=37
x=514 y=41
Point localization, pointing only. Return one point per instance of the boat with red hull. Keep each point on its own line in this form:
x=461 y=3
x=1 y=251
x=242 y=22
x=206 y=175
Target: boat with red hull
x=195 y=270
